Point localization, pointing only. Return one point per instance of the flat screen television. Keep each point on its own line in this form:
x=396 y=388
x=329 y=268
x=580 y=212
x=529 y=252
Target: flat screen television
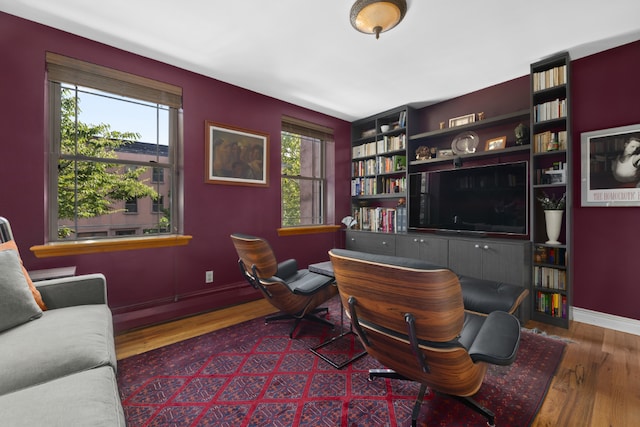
x=490 y=199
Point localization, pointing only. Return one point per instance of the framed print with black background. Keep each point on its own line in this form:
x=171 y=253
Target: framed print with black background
x=610 y=167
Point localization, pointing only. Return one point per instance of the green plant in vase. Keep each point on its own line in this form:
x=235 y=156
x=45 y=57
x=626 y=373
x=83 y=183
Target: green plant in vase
x=553 y=211
x=551 y=203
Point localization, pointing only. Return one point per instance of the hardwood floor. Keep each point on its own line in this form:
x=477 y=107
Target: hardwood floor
x=597 y=383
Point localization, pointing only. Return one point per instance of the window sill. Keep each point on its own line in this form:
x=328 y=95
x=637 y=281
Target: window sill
x=311 y=229
x=107 y=245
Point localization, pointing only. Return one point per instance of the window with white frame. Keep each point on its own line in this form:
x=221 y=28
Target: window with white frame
x=303 y=172
x=114 y=150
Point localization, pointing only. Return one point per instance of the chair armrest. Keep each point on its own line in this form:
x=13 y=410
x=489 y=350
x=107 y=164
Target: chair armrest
x=72 y=291
x=497 y=340
x=287 y=269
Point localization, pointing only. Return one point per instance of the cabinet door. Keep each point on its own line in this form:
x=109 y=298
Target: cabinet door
x=434 y=250
x=375 y=243
x=490 y=260
x=465 y=257
x=505 y=263
x=408 y=246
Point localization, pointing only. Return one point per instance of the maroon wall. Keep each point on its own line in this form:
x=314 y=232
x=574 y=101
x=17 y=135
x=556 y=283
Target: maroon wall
x=503 y=98
x=166 y=282
x=605 y=90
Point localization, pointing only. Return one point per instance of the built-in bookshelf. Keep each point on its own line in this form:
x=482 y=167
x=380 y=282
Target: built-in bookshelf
x=379 y=170
x=551 y=176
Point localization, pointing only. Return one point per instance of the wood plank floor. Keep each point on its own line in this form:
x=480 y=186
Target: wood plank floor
x=597 y=383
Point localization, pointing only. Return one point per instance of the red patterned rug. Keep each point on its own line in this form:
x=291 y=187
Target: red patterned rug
x=252 y=374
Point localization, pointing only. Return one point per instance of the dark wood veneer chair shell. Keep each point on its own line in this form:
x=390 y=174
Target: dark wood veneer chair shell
x=412 y=320
x=297 y=293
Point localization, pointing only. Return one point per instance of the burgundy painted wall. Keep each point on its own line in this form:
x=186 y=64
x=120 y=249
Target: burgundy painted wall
x=168 y=282
x=503 y=98
x=605 y=90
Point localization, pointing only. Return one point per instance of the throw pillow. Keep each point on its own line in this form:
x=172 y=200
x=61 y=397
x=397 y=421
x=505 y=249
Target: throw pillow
x=17 y=305
x=11 y=245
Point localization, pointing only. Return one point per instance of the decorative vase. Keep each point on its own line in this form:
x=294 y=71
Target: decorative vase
x=553 y=219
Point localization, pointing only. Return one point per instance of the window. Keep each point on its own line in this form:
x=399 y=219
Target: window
x=157 y=205
x=114 y=149
x=158 y=175
x=131 y=205
x=303 y=163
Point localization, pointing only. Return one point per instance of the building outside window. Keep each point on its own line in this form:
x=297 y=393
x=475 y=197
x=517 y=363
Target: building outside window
x=158 y=175
x=157 y=205
x=303 y=172
x=114 y=150
x=131 y=205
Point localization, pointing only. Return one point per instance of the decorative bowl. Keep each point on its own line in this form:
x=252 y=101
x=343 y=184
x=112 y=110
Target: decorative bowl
x=384 y=128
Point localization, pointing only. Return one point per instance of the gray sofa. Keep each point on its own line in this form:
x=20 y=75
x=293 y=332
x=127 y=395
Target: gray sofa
x=57 y=366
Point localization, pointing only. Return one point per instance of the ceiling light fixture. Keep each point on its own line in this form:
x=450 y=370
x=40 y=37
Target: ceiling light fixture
x=377 y=16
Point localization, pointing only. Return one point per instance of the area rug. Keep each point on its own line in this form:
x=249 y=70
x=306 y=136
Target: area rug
x=252 y=374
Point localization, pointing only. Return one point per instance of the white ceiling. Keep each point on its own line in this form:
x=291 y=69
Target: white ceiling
x=305 y=51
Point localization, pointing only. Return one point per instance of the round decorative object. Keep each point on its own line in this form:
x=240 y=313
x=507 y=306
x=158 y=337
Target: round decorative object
x=465 y=143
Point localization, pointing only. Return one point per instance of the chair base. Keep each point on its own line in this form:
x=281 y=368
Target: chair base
x=467 y=401
x=309 y=316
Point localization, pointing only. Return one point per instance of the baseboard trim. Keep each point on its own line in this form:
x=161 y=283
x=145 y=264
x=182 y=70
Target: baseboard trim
x=610 y=321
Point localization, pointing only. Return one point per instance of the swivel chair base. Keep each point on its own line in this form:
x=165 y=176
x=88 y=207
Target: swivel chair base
x=467 y=401
x=311 y=316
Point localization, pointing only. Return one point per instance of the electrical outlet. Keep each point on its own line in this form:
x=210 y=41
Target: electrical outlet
x=208 y=278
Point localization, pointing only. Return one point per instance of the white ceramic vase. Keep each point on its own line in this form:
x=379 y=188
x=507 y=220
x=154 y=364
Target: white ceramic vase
x=553 y=219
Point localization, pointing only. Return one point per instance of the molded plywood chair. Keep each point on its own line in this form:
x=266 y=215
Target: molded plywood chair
x=295 y=292
x=410 y=316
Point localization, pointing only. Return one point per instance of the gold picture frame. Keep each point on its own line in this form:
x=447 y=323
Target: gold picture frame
x=462 y=120
x=236 y=156
x=496 y=143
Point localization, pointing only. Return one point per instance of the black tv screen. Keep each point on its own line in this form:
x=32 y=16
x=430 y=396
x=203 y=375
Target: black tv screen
x=482 y=199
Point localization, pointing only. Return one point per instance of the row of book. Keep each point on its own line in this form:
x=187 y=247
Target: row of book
x=381 y=146
x=556 y=76
x=553 y=304
x=402 y=120
x=549 y=141
x=375 y=186
x=379 y=165
x=551 y=278
x=549 y=255
x=550 y=110
x=386 y=220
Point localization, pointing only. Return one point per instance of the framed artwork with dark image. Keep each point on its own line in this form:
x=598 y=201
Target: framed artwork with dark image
x=610 y=166
x=235 y=156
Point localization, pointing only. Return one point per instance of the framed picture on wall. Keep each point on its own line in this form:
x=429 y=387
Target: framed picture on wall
x=610 y=166
x=235 y=156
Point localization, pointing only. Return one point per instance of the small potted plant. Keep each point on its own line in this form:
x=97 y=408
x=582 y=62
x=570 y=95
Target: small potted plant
x=553 y=211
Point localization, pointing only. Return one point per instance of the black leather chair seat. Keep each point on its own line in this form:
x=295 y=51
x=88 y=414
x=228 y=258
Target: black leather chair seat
x=486 y=296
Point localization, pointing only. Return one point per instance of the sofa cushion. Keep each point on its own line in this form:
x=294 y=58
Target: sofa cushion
x=87 y=398
x=17 y=305
x=63 y=341
x=11 y=245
